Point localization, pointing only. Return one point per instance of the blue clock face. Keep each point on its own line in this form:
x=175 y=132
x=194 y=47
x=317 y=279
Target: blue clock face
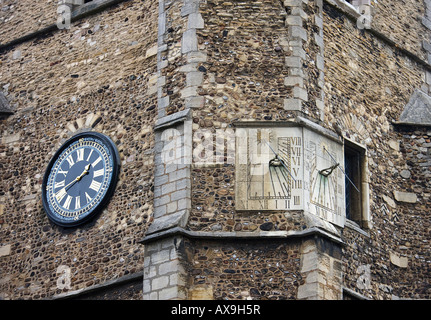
x=80 y=179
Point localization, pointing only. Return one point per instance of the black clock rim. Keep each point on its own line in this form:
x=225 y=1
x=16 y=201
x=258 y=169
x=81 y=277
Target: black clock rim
x=115 y=173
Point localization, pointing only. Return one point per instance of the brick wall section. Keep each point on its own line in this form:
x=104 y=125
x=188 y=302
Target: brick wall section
x=356 y=98
x=252 y=72
x=426 y=21
x=314 y=66
x=354 y=67
x=297 y=37
x=245 y=70
x=172 y=185
x=321 y=270
x=178 y=78
x=164 y=270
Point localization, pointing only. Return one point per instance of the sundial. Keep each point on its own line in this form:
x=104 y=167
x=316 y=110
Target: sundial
x=271 y=169
x=290 y=168
x=326 y=193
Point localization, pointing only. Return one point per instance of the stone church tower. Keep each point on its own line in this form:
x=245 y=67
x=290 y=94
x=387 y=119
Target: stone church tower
x=265 y=149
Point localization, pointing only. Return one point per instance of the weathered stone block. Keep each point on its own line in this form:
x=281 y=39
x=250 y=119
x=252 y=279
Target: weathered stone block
x=300 y=93
x=195 y=21
x=5 y=250
x=418 y=109
x=4 y=105
x=194 y=78
x=168 y=267
x=293 y=104
x=298 y=32
x=189 y=41
x=407 y=197
x=397 y=260
x=292 y=3
x=293 y=81
x=201 y=293
x=151 y=51
x=159 y=257
x=294 y=21
x=295 y=62
x=159 y=282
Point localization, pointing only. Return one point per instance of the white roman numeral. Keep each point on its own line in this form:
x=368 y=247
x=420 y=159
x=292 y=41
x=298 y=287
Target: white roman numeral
x=70 y=160
x=63 y=172
x=87 y=197
x=95 y=185
x=96 y=162
x=67 y=202
x=59 y=184
x=79 y=154
x=77 y=202
x=98 y=173
x=60 y=194
x=91 y=152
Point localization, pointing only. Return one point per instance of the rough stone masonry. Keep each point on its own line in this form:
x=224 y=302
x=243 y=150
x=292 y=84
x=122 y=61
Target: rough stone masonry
x=166 y=81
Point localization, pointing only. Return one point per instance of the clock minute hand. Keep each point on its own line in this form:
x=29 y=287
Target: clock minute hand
x=78 y=178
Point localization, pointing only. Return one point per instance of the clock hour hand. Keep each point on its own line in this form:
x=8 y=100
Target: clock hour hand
x=86 y=170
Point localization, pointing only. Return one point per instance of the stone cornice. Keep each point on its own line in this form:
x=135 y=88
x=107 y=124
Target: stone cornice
x=236 y=236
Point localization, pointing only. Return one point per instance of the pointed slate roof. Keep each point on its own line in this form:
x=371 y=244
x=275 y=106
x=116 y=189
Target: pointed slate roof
x=417 y=110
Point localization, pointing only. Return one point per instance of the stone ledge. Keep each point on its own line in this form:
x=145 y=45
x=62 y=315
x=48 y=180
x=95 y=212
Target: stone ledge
x=354 y=226
x=294 y=122
x=168 y=222
x=354 y=294
x=94 y=289
x=224 y=236
x=170 y=120
x=93 y=7
x=410 y=124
